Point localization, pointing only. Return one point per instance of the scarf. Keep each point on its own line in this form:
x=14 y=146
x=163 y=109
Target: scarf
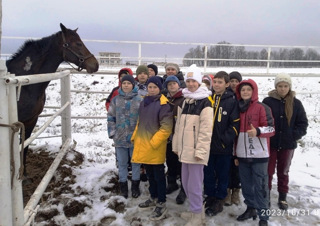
x=201 y=93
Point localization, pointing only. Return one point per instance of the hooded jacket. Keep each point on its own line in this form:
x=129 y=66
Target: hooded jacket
x=123 y=117
x=193 y=129
x=260 y=117
x=152 y=131
x=286 y=135
x=114 y=91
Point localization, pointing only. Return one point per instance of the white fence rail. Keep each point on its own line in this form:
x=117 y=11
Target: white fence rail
x=11 y=204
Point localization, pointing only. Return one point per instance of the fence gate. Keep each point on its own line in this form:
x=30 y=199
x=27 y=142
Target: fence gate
x=11 y=204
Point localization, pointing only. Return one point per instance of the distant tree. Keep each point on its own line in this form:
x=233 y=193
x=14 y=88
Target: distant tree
x=194 y=53
x=312 y=54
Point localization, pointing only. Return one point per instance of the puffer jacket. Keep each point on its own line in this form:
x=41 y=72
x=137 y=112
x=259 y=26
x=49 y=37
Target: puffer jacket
x=123 y=117
x=286 y=135
x=193 y=131
x=226 y=123
x=152 y=131
x=260 y=117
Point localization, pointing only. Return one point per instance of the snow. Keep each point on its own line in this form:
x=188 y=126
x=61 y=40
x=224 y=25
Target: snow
x=99 y=165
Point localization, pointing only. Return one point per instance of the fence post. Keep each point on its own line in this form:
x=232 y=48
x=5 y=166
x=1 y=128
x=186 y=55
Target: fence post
x=5 y=179
x=66 y=114
x=139 y=53
x=17 y=197
x=205 y=58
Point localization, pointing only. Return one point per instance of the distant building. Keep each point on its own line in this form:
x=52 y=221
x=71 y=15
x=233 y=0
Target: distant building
x=109 y=58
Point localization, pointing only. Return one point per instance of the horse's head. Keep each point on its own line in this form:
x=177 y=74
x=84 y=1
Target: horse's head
x=76 y=52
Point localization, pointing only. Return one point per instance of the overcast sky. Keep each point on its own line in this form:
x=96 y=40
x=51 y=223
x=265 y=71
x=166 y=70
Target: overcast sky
x=271 y=22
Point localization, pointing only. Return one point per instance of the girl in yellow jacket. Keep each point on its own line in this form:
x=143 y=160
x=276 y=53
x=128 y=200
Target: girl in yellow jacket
x=150 y=142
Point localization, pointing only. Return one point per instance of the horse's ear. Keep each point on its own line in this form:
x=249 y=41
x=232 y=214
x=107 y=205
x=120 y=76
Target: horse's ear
x=75 y=30
x=63 y=28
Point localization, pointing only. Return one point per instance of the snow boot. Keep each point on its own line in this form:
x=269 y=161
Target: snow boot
x=250 y=212
x=124 y=189
x=172 y=185
x=149 y=204
x=227 y=200
x=235 y=196
x=263 y=223
x=187 y=215
x=135 y=190
x=282 y=201
x=181 y=197
x=196 y=220
x=216 y=208
x=159 y=212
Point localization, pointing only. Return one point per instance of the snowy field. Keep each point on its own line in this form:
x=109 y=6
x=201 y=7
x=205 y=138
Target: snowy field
x=97 y=170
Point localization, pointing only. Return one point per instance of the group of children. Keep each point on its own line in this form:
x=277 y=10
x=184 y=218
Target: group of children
x=211 y=131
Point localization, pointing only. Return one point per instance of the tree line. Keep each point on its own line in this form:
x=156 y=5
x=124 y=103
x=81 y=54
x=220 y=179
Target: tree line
x=225 y=52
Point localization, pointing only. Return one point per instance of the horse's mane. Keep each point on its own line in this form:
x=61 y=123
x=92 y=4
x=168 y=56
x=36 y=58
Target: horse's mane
x=38 y=46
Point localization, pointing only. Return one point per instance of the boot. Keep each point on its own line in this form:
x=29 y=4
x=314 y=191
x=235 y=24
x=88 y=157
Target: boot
x=196 y=220
x=216 y=208
x=135 y=190
x=187 y=215
x=235 y=196
x=124 y=189
x=263 y=223
x=227 y=200
x=181 y=197
x=250 y=212
x=172 y=185
x=282 y=201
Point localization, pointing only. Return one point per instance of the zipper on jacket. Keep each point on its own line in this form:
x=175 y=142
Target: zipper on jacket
x=194 y=137
x=261 y=144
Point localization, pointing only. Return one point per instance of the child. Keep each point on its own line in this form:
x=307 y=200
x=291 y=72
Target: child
x=256 y=128
x=208 y=80
x=291 y=124
x=225 y=129
x=234 y=180
x=191 y=141
x=153 y=71
x=142 y=73
x=122 y=119
x=114 y=92
x=150 y=140
x=175 y=97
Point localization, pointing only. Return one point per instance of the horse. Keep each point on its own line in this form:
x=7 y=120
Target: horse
x=44 y=56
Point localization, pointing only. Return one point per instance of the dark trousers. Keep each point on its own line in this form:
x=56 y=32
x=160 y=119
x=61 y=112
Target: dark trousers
x=216 y=176
x=234 y=178
x=172 y=161
x=281 y=160
x=157 y=181
x=254 y=182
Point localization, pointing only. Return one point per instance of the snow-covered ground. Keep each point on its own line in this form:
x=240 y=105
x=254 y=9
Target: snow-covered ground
x=96 y=172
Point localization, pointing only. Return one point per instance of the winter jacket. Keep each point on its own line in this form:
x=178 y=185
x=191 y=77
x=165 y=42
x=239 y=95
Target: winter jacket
x=259 y=115
x=226 y=123
x=193 y=131
x=123 y=117
x=114 y=91
x=286 y=136
x=152 y=131
x=175 y=101
x=142 y=89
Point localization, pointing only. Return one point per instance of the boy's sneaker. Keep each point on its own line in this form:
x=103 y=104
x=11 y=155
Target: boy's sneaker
x=159 y=212
x=150 y=203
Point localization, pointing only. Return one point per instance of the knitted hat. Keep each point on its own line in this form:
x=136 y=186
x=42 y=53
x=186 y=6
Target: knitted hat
x=142 y=68
x=128 y=78
x=154 y=67
x=193 y=72
x=171 y=78
x=283 y=77
x=156 y=80
x=172 y=65
x=235 y=75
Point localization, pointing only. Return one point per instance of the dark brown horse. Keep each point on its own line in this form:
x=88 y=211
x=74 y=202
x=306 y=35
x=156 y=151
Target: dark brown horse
x=45 y=56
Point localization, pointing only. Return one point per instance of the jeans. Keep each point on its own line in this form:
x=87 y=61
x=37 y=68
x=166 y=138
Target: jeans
x=254 y=184
x=123 y=158
x=157 y=181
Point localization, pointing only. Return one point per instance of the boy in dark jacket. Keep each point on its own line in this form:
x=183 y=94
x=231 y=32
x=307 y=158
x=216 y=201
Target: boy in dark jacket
x=175 y=97
x=225 y=129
